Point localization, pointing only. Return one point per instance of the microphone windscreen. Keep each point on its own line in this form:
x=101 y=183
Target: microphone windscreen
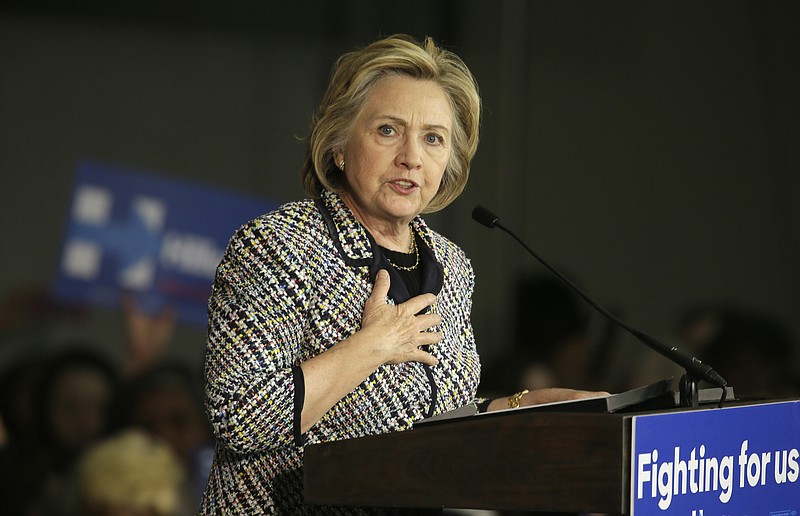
x=484 y=216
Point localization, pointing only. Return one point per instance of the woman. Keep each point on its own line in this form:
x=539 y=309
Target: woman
x=346 y=315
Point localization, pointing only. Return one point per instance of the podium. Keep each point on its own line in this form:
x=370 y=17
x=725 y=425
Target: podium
x=536 y=461
x=514 y=460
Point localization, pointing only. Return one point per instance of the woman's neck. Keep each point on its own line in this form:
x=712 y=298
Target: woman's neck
x=392 y=234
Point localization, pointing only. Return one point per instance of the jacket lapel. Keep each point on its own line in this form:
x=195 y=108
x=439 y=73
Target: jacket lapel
x=359 y=249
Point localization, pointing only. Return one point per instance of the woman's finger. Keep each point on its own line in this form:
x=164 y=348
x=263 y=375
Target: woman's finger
x=428 y=321
x=424 y=357
x=417 y=303
x=380 y=289
x=427 y=338
x=382 y=284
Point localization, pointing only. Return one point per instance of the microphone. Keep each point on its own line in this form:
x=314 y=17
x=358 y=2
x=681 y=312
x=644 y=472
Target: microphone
x=695 y=369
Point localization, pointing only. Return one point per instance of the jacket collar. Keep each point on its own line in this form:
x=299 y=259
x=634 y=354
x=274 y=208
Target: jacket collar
x=359 y=249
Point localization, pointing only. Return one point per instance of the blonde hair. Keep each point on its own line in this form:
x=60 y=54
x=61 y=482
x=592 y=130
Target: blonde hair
x=353 y=77
x=132 y=470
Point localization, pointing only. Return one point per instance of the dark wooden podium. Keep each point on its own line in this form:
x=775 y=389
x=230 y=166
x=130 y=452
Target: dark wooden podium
x=538 y=458
x=527 y=460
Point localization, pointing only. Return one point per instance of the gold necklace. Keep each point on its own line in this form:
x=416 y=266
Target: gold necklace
x=413 y=249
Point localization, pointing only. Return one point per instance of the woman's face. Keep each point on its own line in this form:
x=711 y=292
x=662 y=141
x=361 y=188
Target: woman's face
x=398 y=150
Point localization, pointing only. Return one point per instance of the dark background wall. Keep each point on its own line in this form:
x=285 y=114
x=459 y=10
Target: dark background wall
x=648 y=148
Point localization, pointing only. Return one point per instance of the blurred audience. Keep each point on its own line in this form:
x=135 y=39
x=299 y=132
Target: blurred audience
x=147 y=335
x=18 y=383
x=130 y=474
x=73 y=409
x=166 y=401
x=58 y=400
x=755 y=353
x=18 y=443
x=555 y=341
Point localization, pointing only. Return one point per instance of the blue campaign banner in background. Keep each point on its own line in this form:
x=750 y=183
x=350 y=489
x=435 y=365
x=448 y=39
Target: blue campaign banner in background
x=159 y=239
x=731 y=461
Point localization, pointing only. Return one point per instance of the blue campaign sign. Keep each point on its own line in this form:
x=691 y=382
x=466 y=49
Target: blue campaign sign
x=733 y=461
x=159 y=239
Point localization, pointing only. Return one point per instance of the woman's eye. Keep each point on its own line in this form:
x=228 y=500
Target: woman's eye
x=386 y=130
x=434 y=139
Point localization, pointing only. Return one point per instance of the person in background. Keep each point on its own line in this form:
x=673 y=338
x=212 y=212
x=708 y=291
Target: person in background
x=73 y=404
x=166 y=402
x=19 y=475
x=56 y=405
x=147 y=335
x=345 y=314
x=754 y=352
x=555 y=340
x=130 y=474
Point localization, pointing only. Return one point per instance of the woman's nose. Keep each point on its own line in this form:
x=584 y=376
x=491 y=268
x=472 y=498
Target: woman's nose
x=410 y=154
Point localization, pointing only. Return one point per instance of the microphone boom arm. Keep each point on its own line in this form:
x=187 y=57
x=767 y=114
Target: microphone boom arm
x=695 y=369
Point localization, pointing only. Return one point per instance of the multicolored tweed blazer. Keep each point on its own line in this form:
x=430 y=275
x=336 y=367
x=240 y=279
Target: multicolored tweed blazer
x=292 y=284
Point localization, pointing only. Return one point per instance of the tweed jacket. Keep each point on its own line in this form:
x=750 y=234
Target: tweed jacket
x=292 y=284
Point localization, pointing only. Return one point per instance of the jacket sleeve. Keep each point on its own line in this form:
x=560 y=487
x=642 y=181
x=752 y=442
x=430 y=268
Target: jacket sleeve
x=256 y=327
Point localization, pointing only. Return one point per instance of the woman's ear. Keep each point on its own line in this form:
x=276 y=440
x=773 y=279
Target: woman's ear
x=338 y=160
